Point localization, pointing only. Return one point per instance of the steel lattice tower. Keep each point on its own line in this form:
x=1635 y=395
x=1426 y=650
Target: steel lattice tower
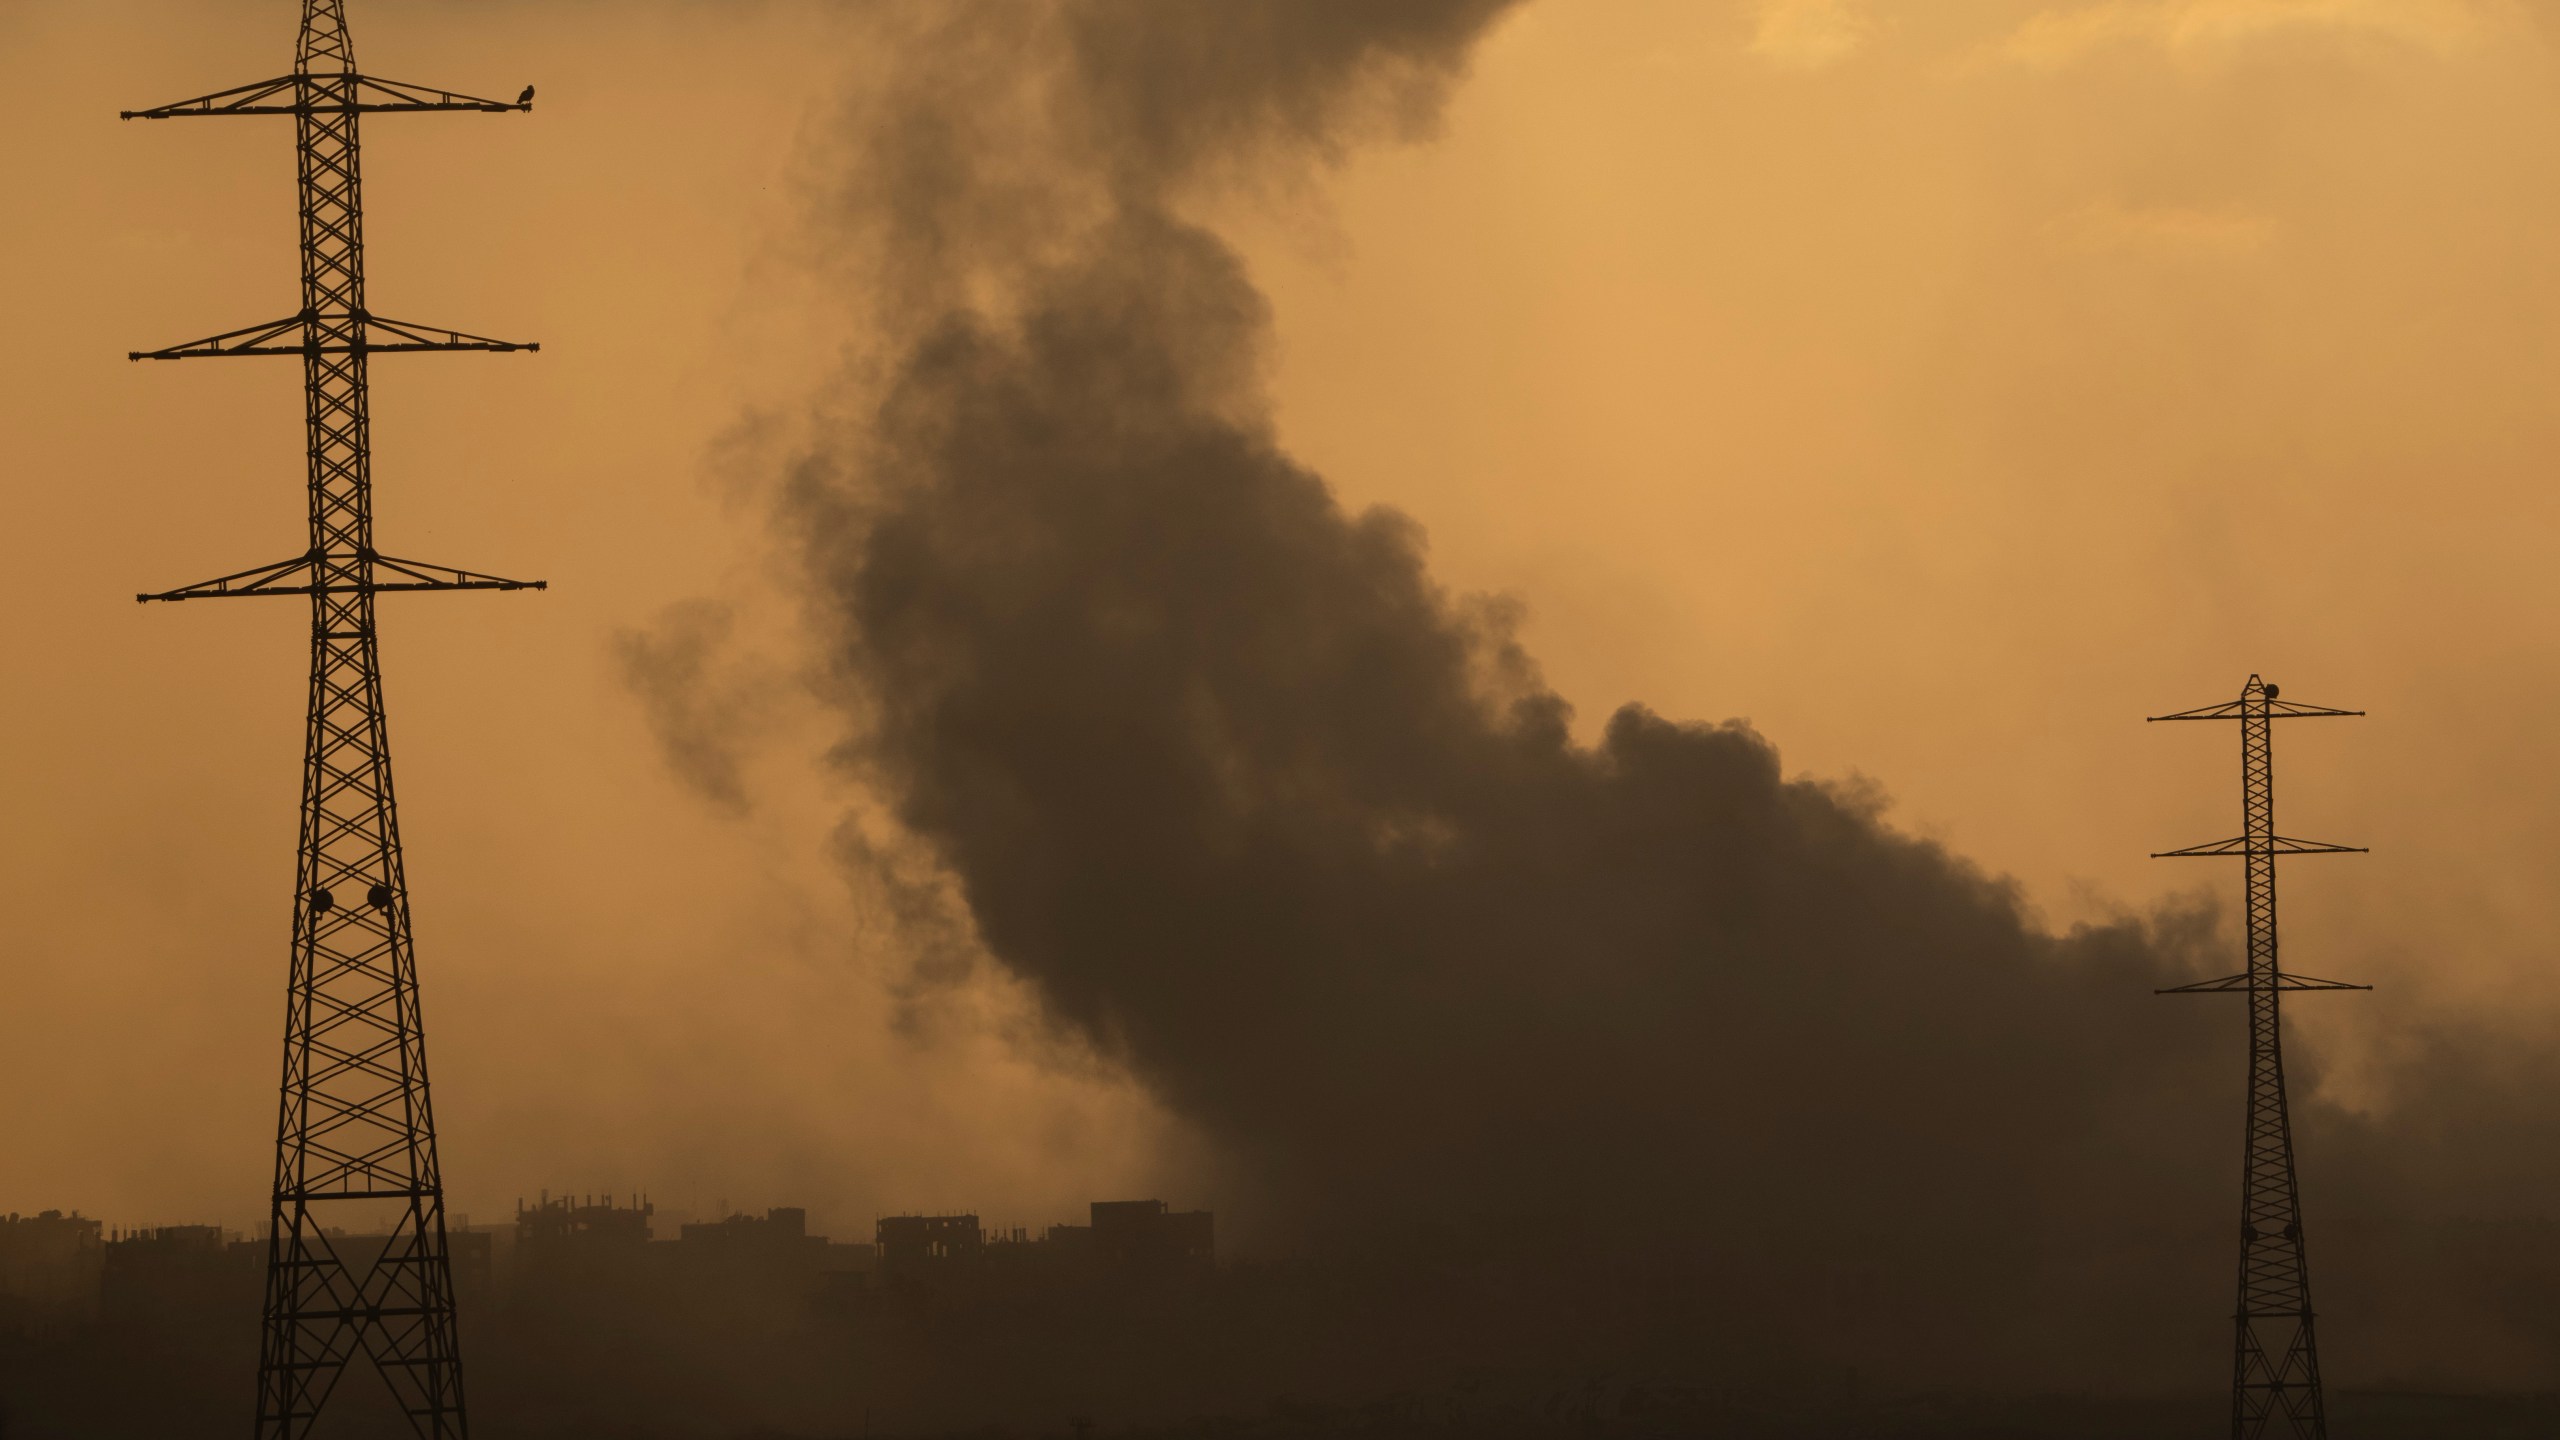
x=2275 y=1364
x=355 y=1130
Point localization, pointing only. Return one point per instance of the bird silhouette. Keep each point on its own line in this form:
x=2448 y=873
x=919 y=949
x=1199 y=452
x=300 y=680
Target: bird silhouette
x=527 y=97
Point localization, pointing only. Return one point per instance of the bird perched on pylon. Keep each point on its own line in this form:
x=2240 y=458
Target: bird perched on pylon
x=526 y=99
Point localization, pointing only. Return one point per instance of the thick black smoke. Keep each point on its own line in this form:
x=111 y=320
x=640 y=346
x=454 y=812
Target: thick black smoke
x=1260 y=810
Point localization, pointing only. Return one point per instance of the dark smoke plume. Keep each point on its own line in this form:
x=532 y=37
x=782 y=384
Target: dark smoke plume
x=1259 y=810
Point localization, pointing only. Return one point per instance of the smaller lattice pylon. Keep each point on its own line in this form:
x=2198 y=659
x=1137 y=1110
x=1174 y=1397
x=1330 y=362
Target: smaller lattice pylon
x=2275 y=1365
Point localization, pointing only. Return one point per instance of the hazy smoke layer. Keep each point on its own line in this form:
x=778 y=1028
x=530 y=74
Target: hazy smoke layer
x=1258 y=808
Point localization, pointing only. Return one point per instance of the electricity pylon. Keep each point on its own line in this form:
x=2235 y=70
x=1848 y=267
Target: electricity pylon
x=2275 y=1363
x=354 y=1128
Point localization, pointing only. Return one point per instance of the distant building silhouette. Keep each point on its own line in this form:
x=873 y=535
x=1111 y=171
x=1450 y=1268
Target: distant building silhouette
x=1145 y=1238
x=1125 y=1241
x=49 y=1268
x=914 y=1246
x=583 y=1221
x=587 y=1250
x=783 y=1230
x=766 y=1251
x=173 y=1271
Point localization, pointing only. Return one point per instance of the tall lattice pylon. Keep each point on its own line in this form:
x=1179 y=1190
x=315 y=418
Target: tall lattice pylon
x=2275 y=1362
x=355 y=1132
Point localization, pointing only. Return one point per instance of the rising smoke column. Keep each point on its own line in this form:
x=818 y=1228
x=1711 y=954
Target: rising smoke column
x=1261 y=812
x=1257 y=808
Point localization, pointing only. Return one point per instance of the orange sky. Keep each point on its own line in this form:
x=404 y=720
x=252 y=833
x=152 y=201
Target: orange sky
x=1942 y=386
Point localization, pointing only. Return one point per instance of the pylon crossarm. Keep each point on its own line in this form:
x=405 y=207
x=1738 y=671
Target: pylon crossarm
x=252 y=99
x=406 y=335
x=2276 y=845
x=332 y=95
x=390 y=97
x=417 y=575
x=249 y=340
x=293 y=577
x=265 y=580
x=2291 y=981
x=326 y=334
x=2276 y=710
x=2229 y=984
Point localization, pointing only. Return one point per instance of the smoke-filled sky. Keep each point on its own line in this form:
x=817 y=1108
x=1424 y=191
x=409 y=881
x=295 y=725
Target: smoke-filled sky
x=1939 y=387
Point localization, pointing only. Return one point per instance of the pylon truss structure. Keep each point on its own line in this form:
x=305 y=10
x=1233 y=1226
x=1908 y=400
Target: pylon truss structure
x=2275 y=1366
x=354 y=1127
